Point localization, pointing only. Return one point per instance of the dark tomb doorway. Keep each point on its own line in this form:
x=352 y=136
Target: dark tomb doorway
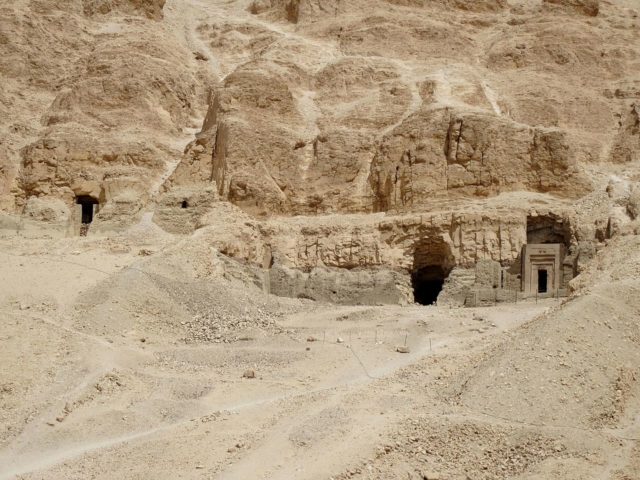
x=87 y=203
x=432 y=263
x=543 y=278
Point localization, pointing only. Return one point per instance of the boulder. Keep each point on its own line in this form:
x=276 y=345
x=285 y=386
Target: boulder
x=589 y=8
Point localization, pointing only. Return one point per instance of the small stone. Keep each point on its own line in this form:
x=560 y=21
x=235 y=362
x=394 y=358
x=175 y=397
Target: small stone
x=403 y=349
x=59 y=419
x=311 y=339
x=249 y=374
x=143 y=340
x=199 y=467
x=429 y=475
x=340 y=340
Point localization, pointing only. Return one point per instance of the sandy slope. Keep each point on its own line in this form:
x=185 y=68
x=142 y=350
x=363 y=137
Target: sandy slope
x=122 y=356
x=487 y=393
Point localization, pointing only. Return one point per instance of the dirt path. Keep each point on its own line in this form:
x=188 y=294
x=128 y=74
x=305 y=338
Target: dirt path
x=330 y=387
x=348 y=378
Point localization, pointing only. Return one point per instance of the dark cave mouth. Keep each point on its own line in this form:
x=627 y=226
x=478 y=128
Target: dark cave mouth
x=427 y=283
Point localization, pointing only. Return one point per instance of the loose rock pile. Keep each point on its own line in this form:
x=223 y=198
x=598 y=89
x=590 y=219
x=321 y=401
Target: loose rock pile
x=425 y=449
x=221 y=327
x=220 y=313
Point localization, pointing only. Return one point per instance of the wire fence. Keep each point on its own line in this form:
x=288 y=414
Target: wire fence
x=391 y=337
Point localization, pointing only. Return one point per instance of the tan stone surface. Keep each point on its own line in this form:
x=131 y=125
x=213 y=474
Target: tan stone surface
x=269 y=171
x=320 y=107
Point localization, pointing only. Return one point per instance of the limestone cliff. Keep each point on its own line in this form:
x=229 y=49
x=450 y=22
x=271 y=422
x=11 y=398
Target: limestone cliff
x=346 y=135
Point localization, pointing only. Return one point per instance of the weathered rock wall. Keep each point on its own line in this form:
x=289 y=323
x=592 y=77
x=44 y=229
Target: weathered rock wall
x=590 y=8
x=149 y=8
x=180 y=210
x=341 y=286
x=95 y=105
x=347 y=259
x=434 y=155
x=439 y=153
x=344 y=143
x=626 y=147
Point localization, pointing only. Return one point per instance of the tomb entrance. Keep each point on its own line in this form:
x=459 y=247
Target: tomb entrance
x=432 y=263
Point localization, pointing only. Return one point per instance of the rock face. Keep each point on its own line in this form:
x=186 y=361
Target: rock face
x=359 y=287
x=469 y=154
x=584 y=7
x=8 y=175
x=95 y=111
x=349 y=129
x=180 y=210
x=626 y=148
x=373 y=259
x=364 y=143
x=149 y=8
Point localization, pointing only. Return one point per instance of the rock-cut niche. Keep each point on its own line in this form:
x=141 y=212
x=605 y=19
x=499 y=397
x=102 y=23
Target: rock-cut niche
x=547 y=229
x=432 y=263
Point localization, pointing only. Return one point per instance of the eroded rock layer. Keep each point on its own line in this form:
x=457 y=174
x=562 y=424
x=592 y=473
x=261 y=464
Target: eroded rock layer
x=347 y=135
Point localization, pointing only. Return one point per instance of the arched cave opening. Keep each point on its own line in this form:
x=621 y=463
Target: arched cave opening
x=184 y=204
x=87 y=203
x=432 y=263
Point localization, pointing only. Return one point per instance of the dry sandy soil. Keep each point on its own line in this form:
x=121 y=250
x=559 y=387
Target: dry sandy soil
x=308 y=132
x=124 y=358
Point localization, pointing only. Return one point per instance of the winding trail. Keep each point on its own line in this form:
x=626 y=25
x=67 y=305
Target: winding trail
x=17 y=462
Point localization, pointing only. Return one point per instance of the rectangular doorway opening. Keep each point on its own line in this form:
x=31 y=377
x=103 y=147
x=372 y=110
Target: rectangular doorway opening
x=88 y=205
x=87 y=212
x=543 y=278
